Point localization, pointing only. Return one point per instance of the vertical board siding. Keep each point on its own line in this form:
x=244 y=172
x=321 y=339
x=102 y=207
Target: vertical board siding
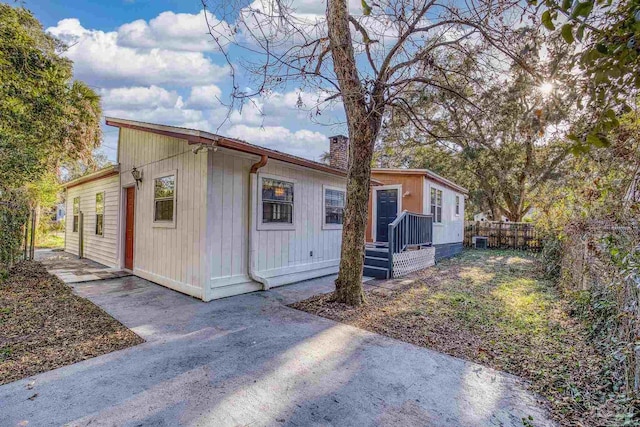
x=451 y=230
x=102 y=249
x=281 y=253
x=174 y=257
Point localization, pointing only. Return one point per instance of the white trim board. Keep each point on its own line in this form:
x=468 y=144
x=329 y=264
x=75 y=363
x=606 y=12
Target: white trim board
x=326 y=187
x=269 y=226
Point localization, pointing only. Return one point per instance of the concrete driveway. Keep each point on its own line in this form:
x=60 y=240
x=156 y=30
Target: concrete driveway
x=250 y=360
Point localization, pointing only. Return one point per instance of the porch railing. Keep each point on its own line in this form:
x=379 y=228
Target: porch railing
x=409 y=229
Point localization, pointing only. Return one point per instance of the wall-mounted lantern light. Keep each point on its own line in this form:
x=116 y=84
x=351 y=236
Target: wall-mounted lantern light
x=137 y=175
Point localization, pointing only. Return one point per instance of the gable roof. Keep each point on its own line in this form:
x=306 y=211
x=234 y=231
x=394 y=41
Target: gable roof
x=99 y=174
x=194 y=136
x=424 y=172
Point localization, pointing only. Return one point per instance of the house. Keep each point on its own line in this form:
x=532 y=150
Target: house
x=207 y=215
x=60 y=212
x=212 y=216
x=431 y=207
x=486 y=216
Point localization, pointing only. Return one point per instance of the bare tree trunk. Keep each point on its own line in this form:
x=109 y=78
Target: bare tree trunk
x=363 y=127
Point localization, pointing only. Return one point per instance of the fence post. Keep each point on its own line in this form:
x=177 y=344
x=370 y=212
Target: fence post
x=32 y=249
x=26 y=238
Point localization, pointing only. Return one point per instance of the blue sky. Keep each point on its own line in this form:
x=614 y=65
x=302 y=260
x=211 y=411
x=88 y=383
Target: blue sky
x=151 y=60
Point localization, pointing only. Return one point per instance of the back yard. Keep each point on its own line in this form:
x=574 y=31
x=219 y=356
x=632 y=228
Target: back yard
x=494 y=308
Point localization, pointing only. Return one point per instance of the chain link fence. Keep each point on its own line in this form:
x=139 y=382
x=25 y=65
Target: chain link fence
x=600 y=269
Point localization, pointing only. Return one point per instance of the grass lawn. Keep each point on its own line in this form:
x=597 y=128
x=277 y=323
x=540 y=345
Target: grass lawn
x=50 y=240
x=494 y=308
x=43 y=325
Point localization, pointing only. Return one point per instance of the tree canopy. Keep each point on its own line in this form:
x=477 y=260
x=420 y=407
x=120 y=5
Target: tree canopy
x=47 y=117
x=501 y=135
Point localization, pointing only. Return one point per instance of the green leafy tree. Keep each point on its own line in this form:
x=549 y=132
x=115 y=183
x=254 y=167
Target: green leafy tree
x=606 y=36
x=46 y=117
x=501 y=135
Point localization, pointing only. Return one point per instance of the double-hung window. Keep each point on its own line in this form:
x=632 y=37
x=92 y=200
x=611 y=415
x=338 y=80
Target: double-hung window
x=277 y=201
x=334 y=202
x=100 y=214
x=436 y=205
x=76 y=214
x=164 y=199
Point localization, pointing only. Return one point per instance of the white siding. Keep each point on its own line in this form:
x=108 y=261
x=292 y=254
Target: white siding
x=173 y=257
x=102 y=249
x=284 y=256
x=451 y=230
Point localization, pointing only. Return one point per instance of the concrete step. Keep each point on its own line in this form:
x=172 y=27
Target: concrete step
x=376 y=261
x=377 y=272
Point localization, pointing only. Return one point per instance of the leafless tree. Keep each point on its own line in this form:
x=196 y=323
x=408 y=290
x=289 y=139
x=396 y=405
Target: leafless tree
x=366 y=55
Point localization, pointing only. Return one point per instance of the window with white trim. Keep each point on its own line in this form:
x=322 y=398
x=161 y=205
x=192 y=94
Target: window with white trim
x=164 y=199
x=277 y=201
x=100 y=214
x=457 y=205
x=436 y=205
x=76 y=213
x=334 y=202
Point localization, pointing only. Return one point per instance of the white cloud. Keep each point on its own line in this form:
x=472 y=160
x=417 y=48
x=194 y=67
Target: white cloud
x=204 y=97
x=167 y=116
x=303 y=143
x=138 y=98
x=99 y=59
x=172 y=31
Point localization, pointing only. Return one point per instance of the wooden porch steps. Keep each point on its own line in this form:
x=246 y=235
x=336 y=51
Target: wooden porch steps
x=376 y=262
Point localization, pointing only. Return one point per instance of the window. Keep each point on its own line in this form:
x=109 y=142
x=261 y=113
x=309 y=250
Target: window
x=99 y=214
x=334 y=201
x=457 y=205
x=277 y=201
x=76 y=213
x=436 y=205
x=164 y=198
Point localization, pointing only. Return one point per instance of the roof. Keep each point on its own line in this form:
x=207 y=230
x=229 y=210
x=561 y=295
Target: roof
x=424 y=172
x=194 y=136
x=99 y=174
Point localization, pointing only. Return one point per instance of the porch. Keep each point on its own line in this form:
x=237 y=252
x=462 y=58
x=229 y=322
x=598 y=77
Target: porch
x=408 y=247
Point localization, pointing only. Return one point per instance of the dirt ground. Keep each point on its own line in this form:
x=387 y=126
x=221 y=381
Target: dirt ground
x=43 y=325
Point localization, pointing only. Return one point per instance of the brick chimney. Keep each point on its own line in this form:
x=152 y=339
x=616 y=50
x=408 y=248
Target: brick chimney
x=339 y=151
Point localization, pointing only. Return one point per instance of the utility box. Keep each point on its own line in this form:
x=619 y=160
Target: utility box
x=479 y=242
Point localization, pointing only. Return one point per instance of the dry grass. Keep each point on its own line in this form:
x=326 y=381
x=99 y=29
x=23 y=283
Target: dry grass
x=43 y=325
x=493 y=308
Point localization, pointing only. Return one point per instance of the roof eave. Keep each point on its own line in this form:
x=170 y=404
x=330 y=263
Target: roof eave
x=424 y=172
x=201 y=137
x=99 y=174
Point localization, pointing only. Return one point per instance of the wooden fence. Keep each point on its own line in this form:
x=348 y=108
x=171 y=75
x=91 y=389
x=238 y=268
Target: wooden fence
x=504 y=235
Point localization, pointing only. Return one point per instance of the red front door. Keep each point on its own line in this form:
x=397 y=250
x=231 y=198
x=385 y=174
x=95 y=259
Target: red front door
x=128 y=233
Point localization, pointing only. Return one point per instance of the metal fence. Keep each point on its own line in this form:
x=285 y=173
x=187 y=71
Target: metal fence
x=504 y=235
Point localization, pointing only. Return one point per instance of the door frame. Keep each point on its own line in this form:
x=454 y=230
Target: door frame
x=374 y=206
x=123 y=223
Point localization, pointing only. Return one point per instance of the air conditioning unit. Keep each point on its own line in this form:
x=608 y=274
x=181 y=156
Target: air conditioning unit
x=479 y=242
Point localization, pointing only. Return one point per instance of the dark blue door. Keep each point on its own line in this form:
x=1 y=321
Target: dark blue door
x=386 y=212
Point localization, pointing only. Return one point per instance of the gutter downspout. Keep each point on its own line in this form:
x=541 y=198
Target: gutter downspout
x=253 y=197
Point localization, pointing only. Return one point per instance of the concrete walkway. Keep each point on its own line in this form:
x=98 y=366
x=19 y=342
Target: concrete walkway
x=250 y=360
x=70 y=269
